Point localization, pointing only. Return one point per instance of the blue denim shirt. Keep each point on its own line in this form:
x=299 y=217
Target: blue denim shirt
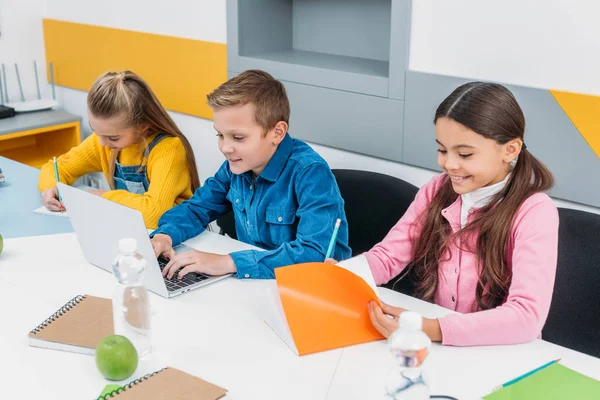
x=290 y=210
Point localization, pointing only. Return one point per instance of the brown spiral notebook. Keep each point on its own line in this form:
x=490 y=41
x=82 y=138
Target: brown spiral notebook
x=78 y=326
x=168 y=383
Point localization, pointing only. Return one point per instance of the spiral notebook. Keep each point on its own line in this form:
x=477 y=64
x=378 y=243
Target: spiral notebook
x=78 y=326
x=167 y=383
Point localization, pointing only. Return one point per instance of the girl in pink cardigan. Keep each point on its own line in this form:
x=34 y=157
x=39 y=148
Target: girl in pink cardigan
x=482 y=237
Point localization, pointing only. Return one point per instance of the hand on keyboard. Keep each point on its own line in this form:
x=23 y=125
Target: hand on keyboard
x=198 y=261
x=175 y=283
x=162 y=245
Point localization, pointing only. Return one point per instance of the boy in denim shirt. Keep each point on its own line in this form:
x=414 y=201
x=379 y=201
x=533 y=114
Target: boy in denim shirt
x=284 y=196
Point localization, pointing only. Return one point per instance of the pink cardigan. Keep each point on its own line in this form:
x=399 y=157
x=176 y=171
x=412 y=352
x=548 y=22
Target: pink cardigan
x=532 y=251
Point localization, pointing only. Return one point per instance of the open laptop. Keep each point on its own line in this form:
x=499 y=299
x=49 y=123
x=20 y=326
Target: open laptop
x=100 y=224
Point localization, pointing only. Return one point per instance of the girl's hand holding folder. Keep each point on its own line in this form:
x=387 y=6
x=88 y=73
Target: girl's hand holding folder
x=385 y=320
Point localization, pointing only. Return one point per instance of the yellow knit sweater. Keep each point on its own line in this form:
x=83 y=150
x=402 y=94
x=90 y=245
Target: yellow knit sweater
x=170 y=181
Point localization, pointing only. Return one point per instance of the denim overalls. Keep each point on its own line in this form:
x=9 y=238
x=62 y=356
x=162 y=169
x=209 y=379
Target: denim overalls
x=133 y=178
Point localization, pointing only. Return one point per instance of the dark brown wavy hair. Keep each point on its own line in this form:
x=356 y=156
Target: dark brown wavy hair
x=492 y=111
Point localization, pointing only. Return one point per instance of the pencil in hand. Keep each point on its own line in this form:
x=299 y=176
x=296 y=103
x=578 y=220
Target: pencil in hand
x=57 y=180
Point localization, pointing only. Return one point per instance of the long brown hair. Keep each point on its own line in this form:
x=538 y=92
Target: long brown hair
x=126 y=93
x=491 y=111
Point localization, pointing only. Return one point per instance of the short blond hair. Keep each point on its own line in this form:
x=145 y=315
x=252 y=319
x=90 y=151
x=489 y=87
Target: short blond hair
x=259 y=88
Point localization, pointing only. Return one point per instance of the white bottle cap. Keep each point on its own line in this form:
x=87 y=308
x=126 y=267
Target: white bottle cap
x=410 y=320
x=127 y=245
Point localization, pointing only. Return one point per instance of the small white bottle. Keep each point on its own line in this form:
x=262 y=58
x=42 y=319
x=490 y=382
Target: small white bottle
x=131 y=304
x=409 y=346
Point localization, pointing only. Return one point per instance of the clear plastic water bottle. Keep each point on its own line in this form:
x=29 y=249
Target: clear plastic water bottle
x=131 y=304
x=409 y=346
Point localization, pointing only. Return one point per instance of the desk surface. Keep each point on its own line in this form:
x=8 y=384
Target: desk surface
x=19 y=196
x=217 y=333
x=33 y=120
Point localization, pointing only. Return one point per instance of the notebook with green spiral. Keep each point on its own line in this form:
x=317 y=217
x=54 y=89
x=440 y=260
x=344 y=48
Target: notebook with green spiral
x=167 y=383
x=78 y=326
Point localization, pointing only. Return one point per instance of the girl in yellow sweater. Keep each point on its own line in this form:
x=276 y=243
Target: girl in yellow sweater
x=145 y=158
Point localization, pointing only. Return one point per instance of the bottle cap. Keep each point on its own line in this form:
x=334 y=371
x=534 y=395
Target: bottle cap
x=411 y=320
x=127 y=245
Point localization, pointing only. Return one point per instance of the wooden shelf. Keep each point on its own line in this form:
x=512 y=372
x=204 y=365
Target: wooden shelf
x=33 y=143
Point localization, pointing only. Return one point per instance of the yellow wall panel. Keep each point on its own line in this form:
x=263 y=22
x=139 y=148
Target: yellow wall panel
x=583 y=111
x=180 y=71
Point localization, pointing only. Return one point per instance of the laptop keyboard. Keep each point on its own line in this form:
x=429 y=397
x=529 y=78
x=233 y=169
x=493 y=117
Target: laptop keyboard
x=175 y=283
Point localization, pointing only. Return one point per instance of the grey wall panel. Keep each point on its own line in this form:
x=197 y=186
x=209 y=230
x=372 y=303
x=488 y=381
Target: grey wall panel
x=424 y=92
x=364 y=124
x=549 y=134
x=232 y=36
x=330 y=78
x=355 y=28
x=260 y=34
x=399 y=47
x=264 y=25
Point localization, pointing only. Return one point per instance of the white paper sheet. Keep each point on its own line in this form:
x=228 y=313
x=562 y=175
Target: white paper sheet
x=44 y=211
x=274 y=316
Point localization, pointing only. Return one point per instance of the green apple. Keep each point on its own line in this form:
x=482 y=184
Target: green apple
x=116 y=357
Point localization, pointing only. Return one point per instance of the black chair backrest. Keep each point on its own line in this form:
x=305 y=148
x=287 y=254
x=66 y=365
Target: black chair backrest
x=574 y=319
x=373 y=203
x=227 y=225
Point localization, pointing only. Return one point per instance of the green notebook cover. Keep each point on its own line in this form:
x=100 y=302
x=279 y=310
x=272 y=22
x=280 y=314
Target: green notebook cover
x=555 y=382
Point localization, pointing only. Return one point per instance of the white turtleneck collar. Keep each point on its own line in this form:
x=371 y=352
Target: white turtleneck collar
x=478 y=198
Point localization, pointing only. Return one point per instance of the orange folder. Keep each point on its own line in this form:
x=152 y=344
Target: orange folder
x=325 y=307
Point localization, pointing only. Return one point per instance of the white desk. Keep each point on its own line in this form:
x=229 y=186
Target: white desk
x=217 y=333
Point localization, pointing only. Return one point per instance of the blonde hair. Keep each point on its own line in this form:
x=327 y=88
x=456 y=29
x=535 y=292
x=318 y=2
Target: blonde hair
x=126 y=94
x=259 y=88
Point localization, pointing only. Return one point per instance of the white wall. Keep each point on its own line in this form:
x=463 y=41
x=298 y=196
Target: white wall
x=21 y=41
x=553 y=44
x=192 y=19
